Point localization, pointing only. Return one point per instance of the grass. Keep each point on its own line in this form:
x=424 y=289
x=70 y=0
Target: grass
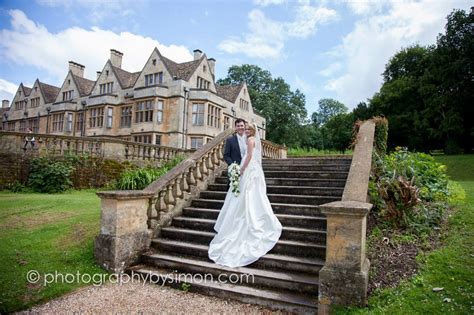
x=450 y=267
x=48 y=233
x=292 y=152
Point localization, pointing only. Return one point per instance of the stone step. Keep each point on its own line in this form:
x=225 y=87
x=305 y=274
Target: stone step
x=291 y=302
x=283 y=280
x=304 y=174
x=279 y=198
x=202 y=231
x=314 y=161
x=282 y=247
x=293 y=190
x=295 y=182
x=270 y=261
x=309 y=168
x=278 y=208
x=315 y=222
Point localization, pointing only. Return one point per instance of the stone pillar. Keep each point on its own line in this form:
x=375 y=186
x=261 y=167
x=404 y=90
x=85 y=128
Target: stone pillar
x=124 y=233
x=343 y=279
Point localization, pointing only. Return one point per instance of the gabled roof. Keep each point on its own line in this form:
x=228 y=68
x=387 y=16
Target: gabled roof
x=83 y=85
x=50 y=92
x=182 y=71
x=26 y=90
x=125 y=78
x=229 y=92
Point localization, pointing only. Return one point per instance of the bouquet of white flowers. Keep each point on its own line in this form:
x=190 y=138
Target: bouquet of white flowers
x=234 y=178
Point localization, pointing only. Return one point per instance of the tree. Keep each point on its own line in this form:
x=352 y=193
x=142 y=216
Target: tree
x=338 y=131
x=283 y=109
x=328 y=108
x=449 y=84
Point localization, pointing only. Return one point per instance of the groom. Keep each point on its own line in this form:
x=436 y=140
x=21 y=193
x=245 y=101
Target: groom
x=235 y=146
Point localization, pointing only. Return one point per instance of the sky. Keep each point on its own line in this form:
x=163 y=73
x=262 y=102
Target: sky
x=327 y=49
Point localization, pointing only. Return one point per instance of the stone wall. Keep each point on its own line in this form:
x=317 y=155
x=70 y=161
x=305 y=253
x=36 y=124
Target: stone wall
x=89 y=172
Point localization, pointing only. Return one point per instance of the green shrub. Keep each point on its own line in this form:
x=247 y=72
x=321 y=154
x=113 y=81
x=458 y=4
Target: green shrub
x=138 y=179
x=18 y=187
x=410 y=190
x=49 y=175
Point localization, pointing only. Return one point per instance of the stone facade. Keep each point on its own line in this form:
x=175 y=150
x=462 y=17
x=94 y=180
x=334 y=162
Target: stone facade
x=168 y=103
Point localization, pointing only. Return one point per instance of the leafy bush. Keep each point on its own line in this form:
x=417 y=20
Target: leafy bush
x=410 y=190
x=138 y=179
x=49 y=175
x=18 y=187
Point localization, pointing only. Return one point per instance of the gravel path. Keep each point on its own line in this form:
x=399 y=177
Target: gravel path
x=133 y=298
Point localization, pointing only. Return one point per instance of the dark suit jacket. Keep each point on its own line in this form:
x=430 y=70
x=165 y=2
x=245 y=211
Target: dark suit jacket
x=232 y=150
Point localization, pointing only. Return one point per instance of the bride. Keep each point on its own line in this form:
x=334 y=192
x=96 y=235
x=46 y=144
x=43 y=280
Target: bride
x=246 y=227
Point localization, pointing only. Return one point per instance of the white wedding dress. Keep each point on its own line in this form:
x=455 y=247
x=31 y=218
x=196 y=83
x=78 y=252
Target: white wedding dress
x=246 y=227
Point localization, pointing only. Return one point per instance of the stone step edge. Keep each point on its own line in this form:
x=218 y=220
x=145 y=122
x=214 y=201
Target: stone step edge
x=285 y=228
x=206 y=247
x=287 y=216
x=270 y=274
x=316 y=263
x=297 y=300
x=287 y=187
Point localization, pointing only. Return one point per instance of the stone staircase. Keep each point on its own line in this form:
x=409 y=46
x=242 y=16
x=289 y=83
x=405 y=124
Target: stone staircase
x=287 y=277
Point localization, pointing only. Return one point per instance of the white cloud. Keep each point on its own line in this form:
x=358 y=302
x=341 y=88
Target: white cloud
x=28 y=43
x=266 y=37
x=308 y=18
x=7 y=90
x=265 y=3
x=96 y=10
x=331 y=69
x=302 y=85
x=375 y=38
x=362 y=7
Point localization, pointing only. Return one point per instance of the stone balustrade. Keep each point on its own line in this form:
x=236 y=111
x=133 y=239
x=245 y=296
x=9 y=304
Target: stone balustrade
x=19 y=142
x=344 y=278
x=156 y=205
x=273 y=151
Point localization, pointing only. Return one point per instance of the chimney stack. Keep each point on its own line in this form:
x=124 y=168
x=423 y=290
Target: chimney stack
x=98 y=75
x=116 y=58
x=76 y=69
x=212 y=65
x=197 y=54
x=5 y=104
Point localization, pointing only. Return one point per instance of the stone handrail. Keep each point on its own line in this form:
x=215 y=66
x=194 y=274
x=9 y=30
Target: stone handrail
x=19 y=142
x=130 y=219
x=176 y=186
x=273 y=151
x=344 y=278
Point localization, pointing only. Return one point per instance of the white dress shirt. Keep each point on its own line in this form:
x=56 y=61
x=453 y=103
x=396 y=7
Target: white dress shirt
x=242 y=145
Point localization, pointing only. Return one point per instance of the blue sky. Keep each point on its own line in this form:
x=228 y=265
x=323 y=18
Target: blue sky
x=334 y=49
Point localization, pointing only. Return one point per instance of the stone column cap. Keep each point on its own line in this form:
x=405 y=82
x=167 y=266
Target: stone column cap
x=346 y=208
x=124 y=194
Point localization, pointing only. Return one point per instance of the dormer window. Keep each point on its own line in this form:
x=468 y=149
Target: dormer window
x=36 y=89
x=154 y=62
x=154 y=78
x=106 y=88
x=204 y=68
x=69 y=82
x=107 y=72
x=68 y=95
x=19 y=93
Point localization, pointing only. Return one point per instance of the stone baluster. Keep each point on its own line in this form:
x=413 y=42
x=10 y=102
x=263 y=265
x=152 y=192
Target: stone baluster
x=202 y=163
x=184 y=182
x=169 y=199
x=177 y=188
x=191 y=179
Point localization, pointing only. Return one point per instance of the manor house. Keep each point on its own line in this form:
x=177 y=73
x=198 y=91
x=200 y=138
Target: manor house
x=166 y=103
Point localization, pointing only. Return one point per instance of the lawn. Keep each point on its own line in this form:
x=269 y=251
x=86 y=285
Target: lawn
x=46 y=233
x=450 y=267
